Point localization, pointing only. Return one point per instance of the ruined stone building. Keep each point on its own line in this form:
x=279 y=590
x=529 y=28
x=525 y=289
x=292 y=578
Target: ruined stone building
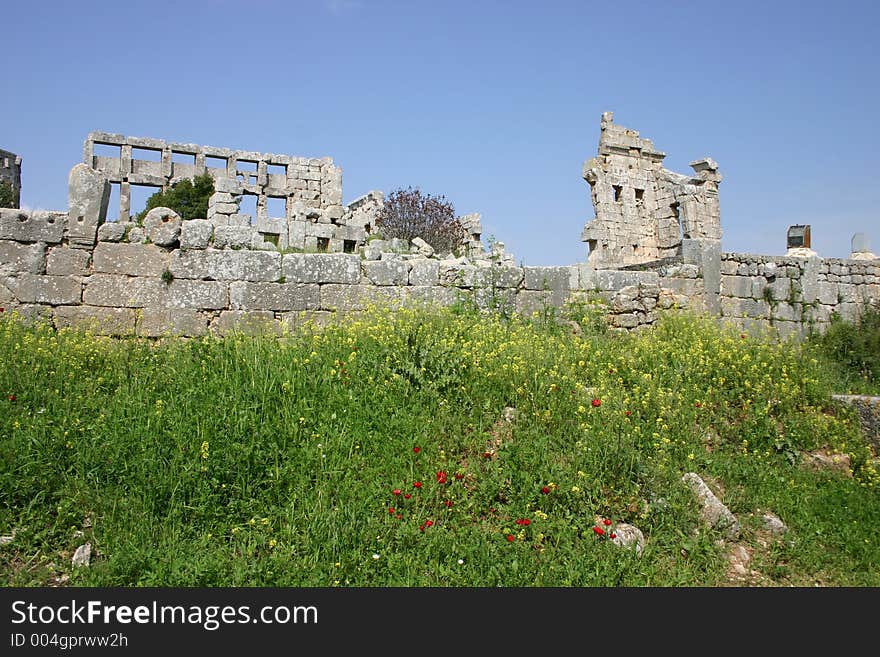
x=10 y=172
x=643 y=211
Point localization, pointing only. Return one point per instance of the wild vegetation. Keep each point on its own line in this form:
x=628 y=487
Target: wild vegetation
x=383 y=451
x=188 y=198
x=407 y=213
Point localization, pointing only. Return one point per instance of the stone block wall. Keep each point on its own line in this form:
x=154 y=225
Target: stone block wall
x=10 y=172
x=792 y=294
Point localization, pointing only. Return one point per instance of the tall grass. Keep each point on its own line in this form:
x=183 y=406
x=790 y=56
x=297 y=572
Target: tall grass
x=274 y=461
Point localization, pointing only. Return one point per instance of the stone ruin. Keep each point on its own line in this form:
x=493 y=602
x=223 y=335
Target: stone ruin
x=643 y=211
x=10 y=172
x=655 y=243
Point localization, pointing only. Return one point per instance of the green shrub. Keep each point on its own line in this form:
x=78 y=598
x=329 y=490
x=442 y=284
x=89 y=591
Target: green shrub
x=188 y=198
x=854 y=346
x=7 y=196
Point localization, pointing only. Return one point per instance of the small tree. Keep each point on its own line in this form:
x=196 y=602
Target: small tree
x=188 y=198
x=407 y=214
x=7 y=197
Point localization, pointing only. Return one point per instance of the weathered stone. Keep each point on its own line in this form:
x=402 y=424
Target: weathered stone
x=297 y=318
x=738 y=286
x=629 y=536
x=88 y=193
x=626 y=320
x=103 y=321
x=387 y=272
x=32 y=226
x=112 y=231
x=255 y=322
x=424 y=249
x=154 y=322
x=82 y=556
x=63 y=261
x=273 y=296
x=136 y=235
x=424 y=272
x=196 y=234
x=129 y=259
x=771 y=522
x=547 y=278
x=713 y=513
x=456 y=274
x=233 y=237
x=18 y=258
x=503 y=277
x=372 y=252
x=212 y=264
x=162 y=226
x=357 y=297
x=54 y=290
x=431 y=295
x=322 y=268
x=140 y=292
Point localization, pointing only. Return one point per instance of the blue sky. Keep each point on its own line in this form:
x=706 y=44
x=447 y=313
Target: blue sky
x=493 y=104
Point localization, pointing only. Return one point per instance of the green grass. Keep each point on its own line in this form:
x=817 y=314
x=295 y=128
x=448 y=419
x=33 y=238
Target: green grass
x=248 y=461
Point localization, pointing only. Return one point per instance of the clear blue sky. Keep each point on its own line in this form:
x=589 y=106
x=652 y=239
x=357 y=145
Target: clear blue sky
x=493 y=104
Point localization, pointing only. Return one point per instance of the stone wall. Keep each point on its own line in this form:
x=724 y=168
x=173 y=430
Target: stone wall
x=10 y=172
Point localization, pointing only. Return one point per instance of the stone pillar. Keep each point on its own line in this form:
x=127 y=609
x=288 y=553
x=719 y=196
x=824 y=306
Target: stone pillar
x=88 y=193
x=124 y=201
x=706 y=255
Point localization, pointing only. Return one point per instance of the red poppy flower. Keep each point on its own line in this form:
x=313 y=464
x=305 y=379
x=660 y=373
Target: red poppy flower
x=2 y=310
x=510 y=538
x=697 y=404
x=416 y=450
x=606 y=522
x=523 y=521
x=599 y=531
x=459 y=476
x=391 y=510
x=487 y=455
x=417 y=484
x=406 y=496
x=596 y=402
x=396 y=491
x=11 y=397
x=421 y=528
x=441 y=477
x=545 y=490
x=429 y=523
x=613 y=535
x=399 y=516
x=448 y=504
x=628 y=413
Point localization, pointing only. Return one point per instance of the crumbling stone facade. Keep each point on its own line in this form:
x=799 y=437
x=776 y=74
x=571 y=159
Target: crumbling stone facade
x=656 y=233
x=643 y=211
x=10 y=172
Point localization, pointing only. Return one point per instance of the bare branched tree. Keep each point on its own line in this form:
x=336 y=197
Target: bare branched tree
x=407 y=213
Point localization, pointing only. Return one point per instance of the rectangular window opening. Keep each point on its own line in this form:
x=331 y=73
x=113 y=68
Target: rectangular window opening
x=138 y=197
x=276 y=207
x=674 y=208
x=640 y=196
x=183 y=158
x=113 y=205
x=348 y=246
x=215 y=162
x=146 y=154
x=276 y=169
x=323 y=244
x=249 y=206
x=107 y=150
x=246 y=166
x=618 y=192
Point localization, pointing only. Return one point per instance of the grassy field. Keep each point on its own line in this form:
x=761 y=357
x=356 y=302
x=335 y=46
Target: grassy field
x=378 y=452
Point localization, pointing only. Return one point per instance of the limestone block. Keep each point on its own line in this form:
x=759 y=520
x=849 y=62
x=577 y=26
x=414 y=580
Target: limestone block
x=431 y=295
x=162 y=226
x=547 y=278
x=233 y=237
x=424 y=249
x=88 y=193
x=769 y=270
x=848 y=293
x=122 y=291
x=112 y=231
x=322 y=268
x=729 y=267
x=737 y=286
x=21 y=258
x=36 y=226
x=456 y=274
x=63 y=261
x=336 y=296
x=224 y=185
x=54 y=290
x=387 y=272
x=424 y=272
x=205 y=295
x=786 y=312
x=536 y=301
x=324 y=231
x=103 y=321
x=196 y=234
x=780 y=288
x=714 y=513
x=136 y=235
x=827 y=293
x=154 y=323
x=372 y=252
x=130 y=259
x=608 y=279
x=350 y=233
x=254 y=322
x=219 y=265
x=626 y=320
x=273 y=296
x=301 y=317
x=507 y=277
